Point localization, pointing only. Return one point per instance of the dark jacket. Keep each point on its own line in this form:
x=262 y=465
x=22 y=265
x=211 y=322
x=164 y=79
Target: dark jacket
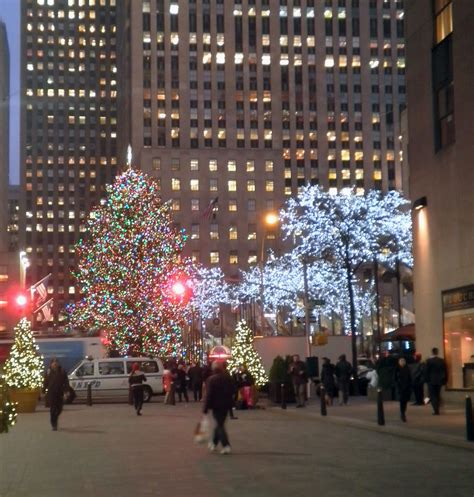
x=195 y=374
x=343 y=371
x=136 y=379
x=435 y=371
x=219 y=392
x=56 y=384
x=403 y=381
x=180 y=380
x=327 y=378
x=298 y=372
x=417 y=371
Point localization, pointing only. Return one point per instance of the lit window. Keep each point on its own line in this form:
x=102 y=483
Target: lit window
x=232 y=185
x=213 y=185
x=231 y=166
x=194 y=184
x=250 y=165
x=232 y=205
x=250 y=185
x=214 y=232
x=195 y=204
x=233 y=232
x=214 y=257
x=269 y=166
x=175 y=184
x=268 y=186
x=175 y=204
x=194 y=231
x=212 y=165
x=252 y=234
x=194 y=165
x=252 y=259
x=233 y=257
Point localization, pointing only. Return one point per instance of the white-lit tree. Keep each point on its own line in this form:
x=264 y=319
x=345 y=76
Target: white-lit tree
x=347 y=231
x=24 y=367
x=210 y=290
x=245 y=355
x=8 y=413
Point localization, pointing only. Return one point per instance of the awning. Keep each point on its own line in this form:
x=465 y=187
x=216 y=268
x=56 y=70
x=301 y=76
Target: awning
x=406 y=332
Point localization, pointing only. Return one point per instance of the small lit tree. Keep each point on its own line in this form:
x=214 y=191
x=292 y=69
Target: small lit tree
x=245 y=355
x=24 y=367
x=7 y=408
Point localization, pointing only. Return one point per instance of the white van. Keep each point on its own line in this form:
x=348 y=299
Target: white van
x=109 y=377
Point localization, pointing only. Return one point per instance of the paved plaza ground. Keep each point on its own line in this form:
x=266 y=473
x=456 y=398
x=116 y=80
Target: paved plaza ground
x=107 y=451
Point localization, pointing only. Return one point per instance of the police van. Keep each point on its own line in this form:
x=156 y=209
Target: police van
x=109 y=377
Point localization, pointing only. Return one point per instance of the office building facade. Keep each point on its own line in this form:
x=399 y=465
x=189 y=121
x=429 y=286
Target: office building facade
x=440 y=105
x=237 y=105
x=4 y=133
x=68 y=129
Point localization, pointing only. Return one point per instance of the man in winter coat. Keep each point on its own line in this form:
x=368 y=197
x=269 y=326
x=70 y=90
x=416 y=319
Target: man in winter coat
x=436 y=376
x=299 y=378
x=56 y=383
x=219 y=399
x=196 y=374
x=417 y=371
x=403 y=381
x=343 y=375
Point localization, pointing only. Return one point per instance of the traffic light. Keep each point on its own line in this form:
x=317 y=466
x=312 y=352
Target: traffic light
x=21 y=300
x=181 y=290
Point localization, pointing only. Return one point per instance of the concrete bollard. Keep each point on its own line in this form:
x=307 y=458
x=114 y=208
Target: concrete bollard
x=89 y=394
x=469 y=420
x=324 y=411
x=283 y=396
x=380 y=413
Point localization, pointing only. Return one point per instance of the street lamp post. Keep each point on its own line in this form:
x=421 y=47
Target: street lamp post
x=271 y=219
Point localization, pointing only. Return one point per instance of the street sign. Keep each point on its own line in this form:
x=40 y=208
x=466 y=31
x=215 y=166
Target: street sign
x=316 y=302
x=301 y=320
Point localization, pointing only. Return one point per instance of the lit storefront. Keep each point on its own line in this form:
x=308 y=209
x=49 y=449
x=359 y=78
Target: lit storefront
x=458 y=326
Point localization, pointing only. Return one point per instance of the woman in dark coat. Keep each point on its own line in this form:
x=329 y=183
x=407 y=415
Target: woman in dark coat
x=404 y=385
x=135 y=381
x=328 y=380
x=56 y=384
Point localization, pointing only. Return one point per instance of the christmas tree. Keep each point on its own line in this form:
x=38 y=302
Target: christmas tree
x=129 y=265
x=244 y=355
x=24 y=367
x=7 y=408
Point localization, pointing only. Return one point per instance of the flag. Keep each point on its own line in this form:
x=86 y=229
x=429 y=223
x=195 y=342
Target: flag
x=211 y=208
x=46 y=310
x=39 y=291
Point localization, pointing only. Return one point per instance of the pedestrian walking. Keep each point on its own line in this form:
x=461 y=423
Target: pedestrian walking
x=328 y=380
x=135 y=380
x=404 y=383
x=219 y=399
x=417 y=371
x=436 y=376
x=196 y=374
x=299 y=378
x=56 y=383
x=181 y=383
x=343 y=374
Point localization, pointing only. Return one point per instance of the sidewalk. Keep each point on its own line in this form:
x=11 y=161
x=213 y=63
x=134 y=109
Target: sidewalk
x=448 y=429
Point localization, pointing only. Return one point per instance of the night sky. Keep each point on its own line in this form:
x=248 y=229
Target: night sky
x=10 y=13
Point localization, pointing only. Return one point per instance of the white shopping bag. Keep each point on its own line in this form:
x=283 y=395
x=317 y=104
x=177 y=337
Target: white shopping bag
x=203 y=430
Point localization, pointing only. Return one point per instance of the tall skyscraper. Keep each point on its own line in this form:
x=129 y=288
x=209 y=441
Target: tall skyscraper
x=4 y=133
x=236 y=105
x=441 y=104
x=68 y=128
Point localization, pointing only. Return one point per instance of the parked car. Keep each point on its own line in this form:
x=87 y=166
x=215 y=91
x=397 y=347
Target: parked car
x=109 y=377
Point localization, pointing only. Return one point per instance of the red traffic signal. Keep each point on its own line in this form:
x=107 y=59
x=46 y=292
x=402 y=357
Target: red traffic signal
x=21 y=300
x=178 y=288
